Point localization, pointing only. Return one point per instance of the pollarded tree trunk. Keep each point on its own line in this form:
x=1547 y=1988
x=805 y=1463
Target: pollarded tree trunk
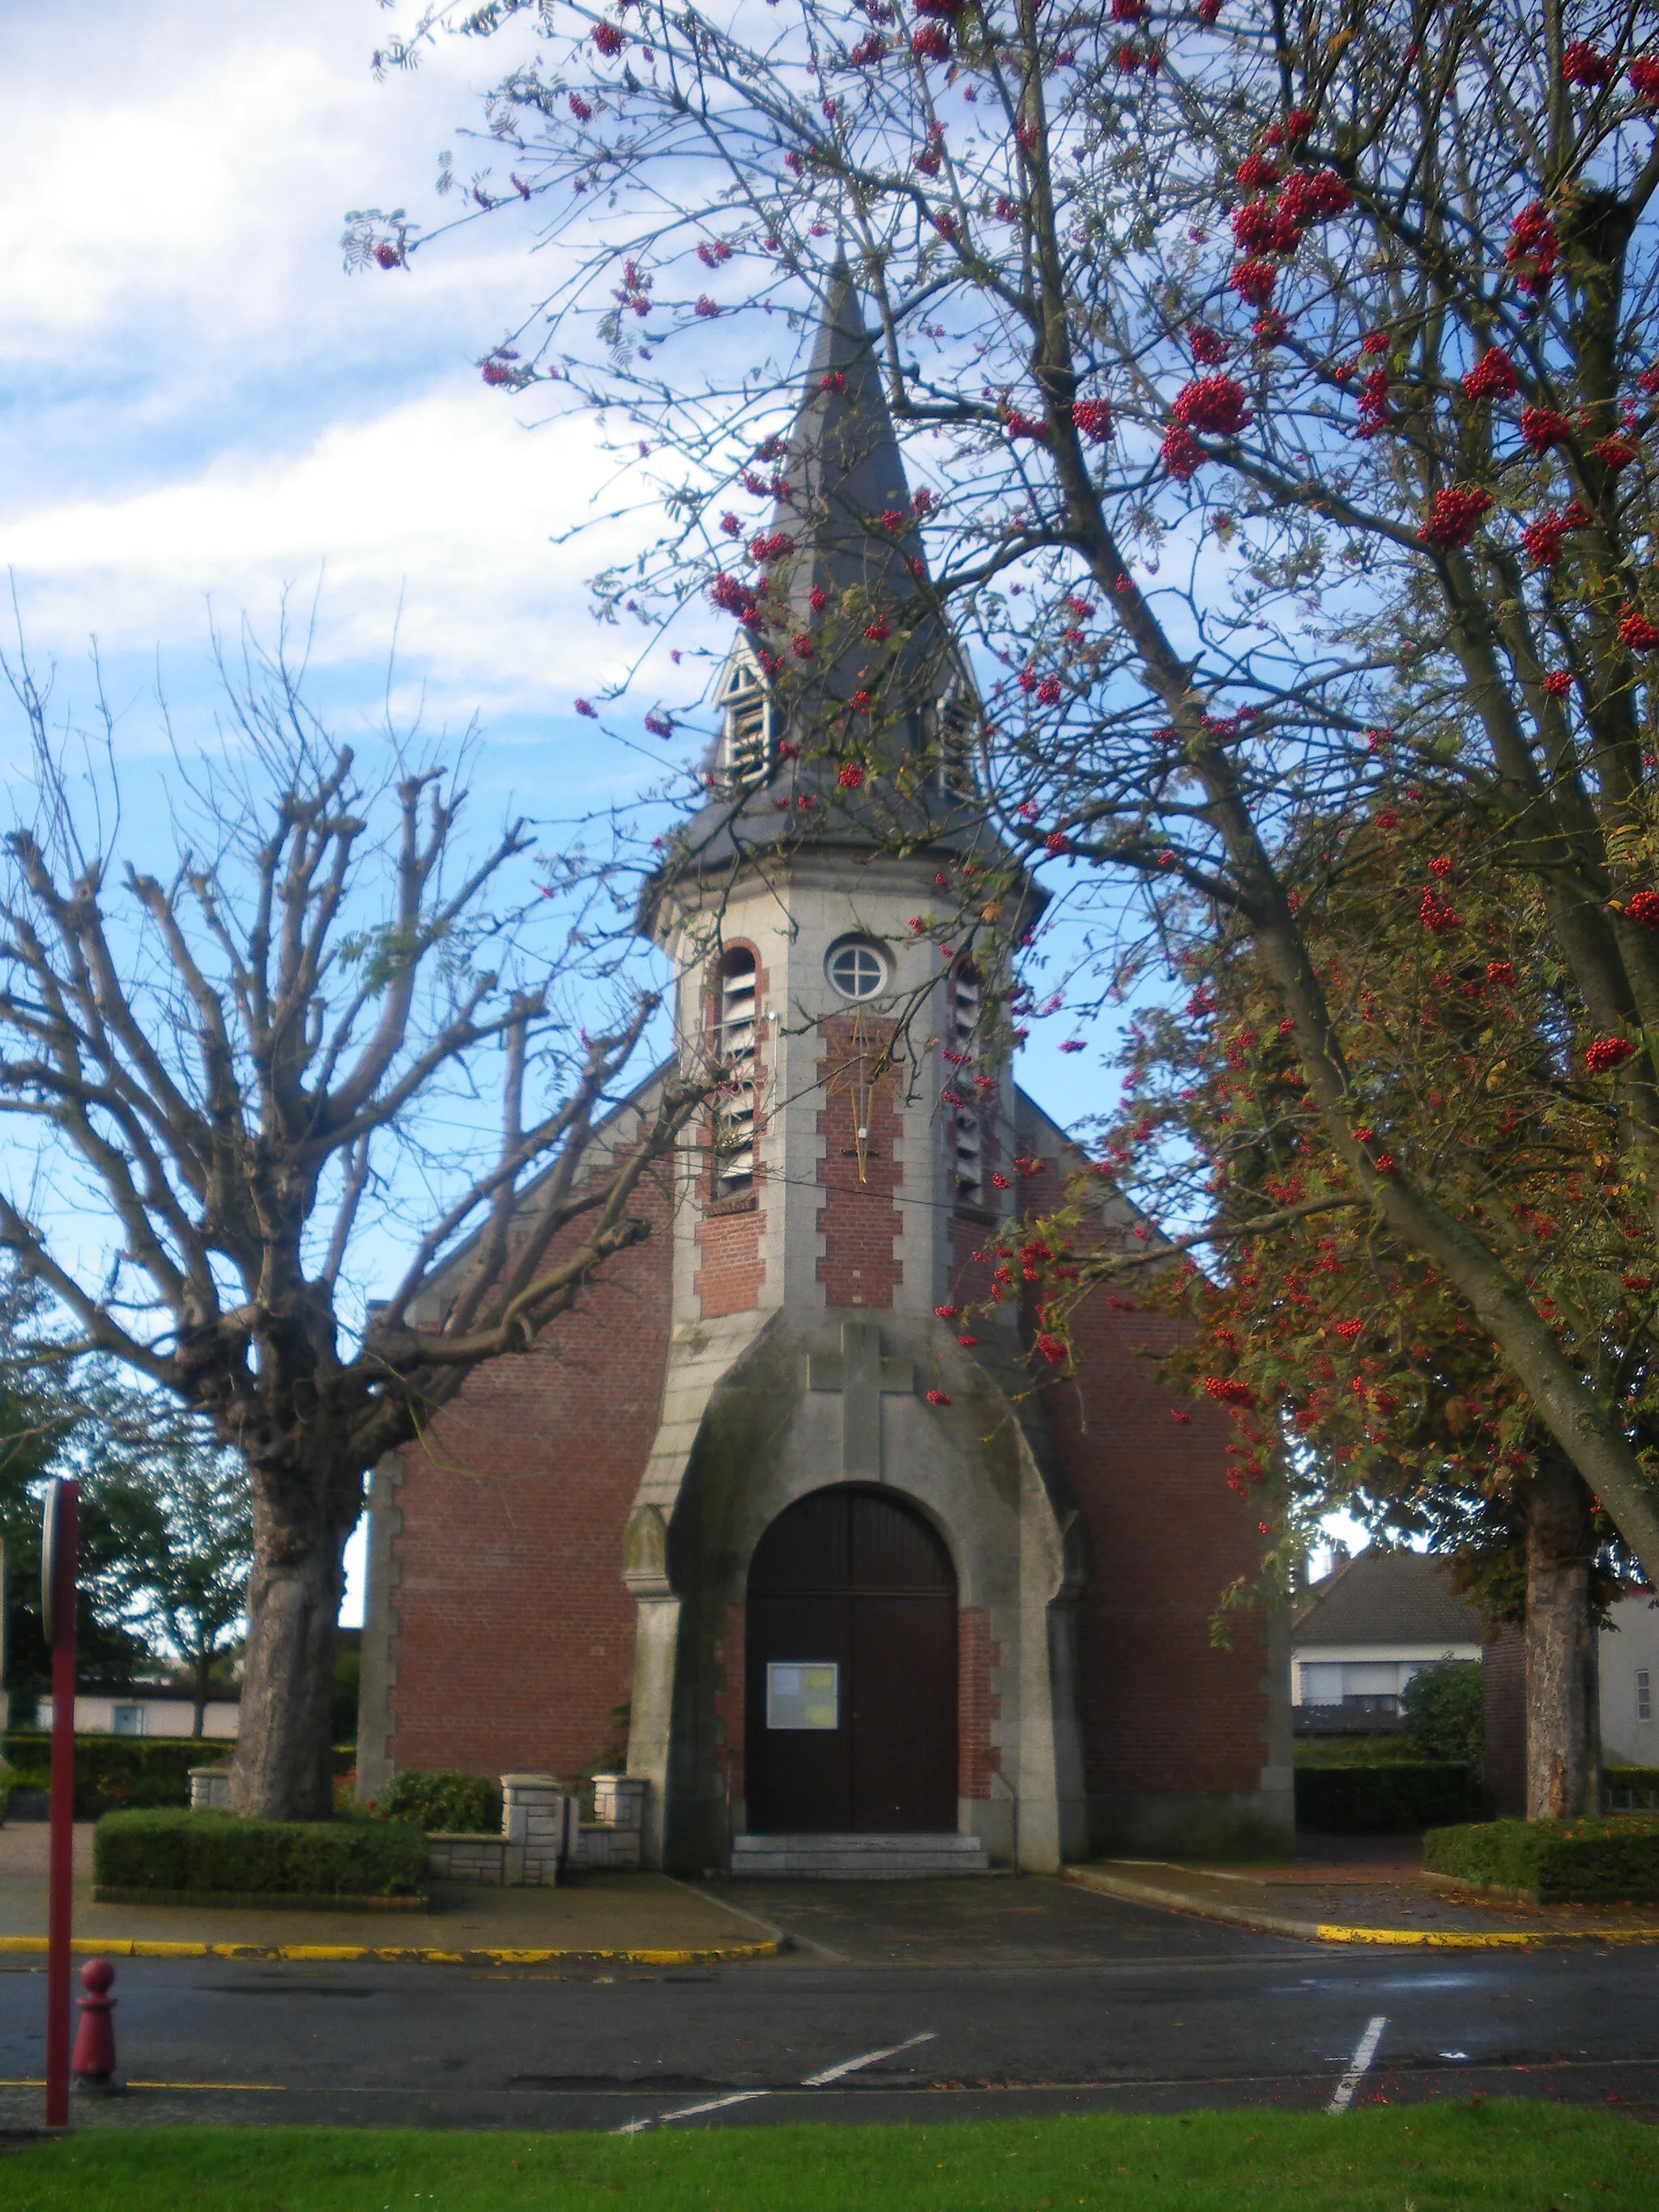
x=1564 y=1734
x=284 y=1766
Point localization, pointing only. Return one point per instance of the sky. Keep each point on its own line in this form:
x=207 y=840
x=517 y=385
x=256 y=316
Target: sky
x=203 y=416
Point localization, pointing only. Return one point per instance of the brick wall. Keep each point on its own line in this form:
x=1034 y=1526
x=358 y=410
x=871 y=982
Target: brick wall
x=977 y=1704
x=515 y=1640
x=858 y=1220
x=1162 y=1711
x=729 y=1242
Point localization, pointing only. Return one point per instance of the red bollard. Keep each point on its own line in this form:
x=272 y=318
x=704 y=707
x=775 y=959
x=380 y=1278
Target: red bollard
x=93 y=2062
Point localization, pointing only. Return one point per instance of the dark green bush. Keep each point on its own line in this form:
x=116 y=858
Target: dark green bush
x=459 y=1803
x=120 y=1773
x=114 y=1772
x=1553 y=1861
x=1445 y=1710
x=1632 y=1789
x=1396 y=1799
x=220 y=1851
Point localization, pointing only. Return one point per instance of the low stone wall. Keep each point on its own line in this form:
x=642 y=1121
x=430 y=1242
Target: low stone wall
x=542 y=1831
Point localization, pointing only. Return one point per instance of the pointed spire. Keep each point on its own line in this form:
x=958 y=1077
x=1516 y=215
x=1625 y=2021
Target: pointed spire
x=848 y=509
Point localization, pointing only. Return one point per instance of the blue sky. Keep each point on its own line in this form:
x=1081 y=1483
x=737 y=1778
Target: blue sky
x=199 y=410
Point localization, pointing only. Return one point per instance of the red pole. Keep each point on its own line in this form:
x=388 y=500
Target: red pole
x=63 y=1528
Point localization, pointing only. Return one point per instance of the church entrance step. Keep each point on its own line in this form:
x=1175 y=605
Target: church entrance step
x=857 y=1857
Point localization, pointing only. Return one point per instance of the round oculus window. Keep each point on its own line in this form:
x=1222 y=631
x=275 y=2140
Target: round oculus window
x=856 y=967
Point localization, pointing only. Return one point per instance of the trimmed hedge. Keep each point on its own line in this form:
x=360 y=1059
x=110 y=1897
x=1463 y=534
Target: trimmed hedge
x=120 y=1773
x=220 y=1851
x=1630 y=1789
x=1395 y=1799
x=450 y=1800
x=1550 y=1862
x=114 y=1772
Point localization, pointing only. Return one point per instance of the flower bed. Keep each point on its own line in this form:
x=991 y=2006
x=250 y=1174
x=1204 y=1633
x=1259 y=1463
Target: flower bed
x=1550 y=1862
x=220 y=1854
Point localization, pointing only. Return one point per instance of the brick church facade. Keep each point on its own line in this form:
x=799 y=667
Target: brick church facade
x=753 y=1519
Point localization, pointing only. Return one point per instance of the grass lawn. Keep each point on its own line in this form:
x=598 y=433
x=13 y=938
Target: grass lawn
x=1477 y=2158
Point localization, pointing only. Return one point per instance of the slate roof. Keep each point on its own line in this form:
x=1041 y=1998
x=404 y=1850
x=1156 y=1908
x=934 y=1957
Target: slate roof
x=1381 y=1596
x=844 y=474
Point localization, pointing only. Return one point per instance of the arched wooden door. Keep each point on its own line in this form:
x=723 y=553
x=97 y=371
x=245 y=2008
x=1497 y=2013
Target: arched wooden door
x=851 y=1694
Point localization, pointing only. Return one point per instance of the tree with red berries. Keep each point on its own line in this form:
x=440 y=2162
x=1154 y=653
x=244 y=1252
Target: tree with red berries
x=1352 y=1371
x=1282 y=395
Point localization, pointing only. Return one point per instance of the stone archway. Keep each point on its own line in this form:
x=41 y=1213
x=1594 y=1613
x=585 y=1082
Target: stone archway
x=851 y=1689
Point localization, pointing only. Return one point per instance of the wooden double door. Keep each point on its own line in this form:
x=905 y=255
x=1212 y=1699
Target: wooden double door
x=851 y=1674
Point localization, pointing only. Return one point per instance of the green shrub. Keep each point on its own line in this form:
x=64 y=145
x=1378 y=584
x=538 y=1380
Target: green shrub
x=1551 y=1860
x=1395 y=1799
x=113 y=1773
x=1445 y=1710
x=220 y=1851
x=457 y=1803
x=1392 y=1747
x=1632 y=1789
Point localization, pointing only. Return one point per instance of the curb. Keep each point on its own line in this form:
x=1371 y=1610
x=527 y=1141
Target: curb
x=1335 y=1931
x=131 y=1947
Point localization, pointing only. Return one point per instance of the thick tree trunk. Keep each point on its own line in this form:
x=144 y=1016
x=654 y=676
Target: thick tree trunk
x=1564 y=1734
x=284 y=1765
x=203 y=1662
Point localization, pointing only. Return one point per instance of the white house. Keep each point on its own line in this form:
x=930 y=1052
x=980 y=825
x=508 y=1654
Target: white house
x=1629 y=1656
x=144 y=1709
x=1380 y=1617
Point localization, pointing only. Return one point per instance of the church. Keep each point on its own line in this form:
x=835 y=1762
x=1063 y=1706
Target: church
x=779 y=1519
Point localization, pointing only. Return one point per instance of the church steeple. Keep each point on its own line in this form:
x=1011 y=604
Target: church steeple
x=847 y=655
x=847 y=512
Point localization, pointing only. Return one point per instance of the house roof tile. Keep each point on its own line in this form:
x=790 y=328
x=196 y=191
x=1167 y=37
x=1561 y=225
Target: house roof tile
x=1382 y=1596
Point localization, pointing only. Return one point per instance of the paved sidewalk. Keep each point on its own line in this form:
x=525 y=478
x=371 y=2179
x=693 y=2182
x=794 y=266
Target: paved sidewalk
x=1360 y=1890
x=645 y=1919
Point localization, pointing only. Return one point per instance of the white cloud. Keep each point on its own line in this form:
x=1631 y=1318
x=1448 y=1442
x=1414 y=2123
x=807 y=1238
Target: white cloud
x=446 y=499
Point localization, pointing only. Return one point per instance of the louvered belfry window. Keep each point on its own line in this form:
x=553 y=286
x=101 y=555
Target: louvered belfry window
x=966 y=1005
x=734 y=1047
x=956 y=719
x=748 y=731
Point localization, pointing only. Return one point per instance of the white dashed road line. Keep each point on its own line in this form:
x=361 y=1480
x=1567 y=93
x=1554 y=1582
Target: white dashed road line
x=748 y=2096
x=1365 y=2051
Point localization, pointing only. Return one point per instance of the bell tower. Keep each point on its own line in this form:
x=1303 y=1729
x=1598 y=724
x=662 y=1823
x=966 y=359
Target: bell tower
x=860 y=1153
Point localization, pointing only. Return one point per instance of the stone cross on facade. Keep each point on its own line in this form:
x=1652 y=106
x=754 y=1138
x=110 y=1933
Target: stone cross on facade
x=862 y=1374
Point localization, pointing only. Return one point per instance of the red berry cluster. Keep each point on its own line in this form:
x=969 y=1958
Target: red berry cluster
x=1492 y=377
x=1454 y=517
x=1608 y=1053
x=1212 y=404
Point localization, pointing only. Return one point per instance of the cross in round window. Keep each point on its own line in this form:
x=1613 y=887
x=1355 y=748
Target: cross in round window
x=856 y=967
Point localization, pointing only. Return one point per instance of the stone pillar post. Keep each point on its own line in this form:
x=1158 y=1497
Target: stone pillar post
x=619 y=1800
x=210 y=1786
x=537 y=1815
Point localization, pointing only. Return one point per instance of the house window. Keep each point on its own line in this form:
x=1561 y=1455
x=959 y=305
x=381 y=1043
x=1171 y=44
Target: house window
x=1644 y=1694
x=856 y=967
x=734 y=1048
x=748 y=731
x=1322 y=1683
x=965 y=1006
x=127 y=1719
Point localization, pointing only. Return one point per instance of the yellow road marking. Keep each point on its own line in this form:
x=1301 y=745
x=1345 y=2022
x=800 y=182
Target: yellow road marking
x=131 y=1947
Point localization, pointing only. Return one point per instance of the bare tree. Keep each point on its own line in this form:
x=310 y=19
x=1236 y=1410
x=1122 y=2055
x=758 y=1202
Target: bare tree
x=256 y=1063
x=1284 y=380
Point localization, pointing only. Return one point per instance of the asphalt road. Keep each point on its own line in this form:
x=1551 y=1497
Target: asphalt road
x=913 y=2001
